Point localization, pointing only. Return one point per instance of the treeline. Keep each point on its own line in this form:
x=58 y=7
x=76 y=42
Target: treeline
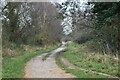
x=38 y=23
x=30 y=23
x=97 y=22
x=24 y=22
x=107 y=26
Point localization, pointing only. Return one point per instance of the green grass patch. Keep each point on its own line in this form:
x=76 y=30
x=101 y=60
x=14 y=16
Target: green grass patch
x=13 y=67
x=0 y=71
x=77 y=73
x=82 y=56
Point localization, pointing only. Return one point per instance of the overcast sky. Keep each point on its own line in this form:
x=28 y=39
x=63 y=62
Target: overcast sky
x=59 y=1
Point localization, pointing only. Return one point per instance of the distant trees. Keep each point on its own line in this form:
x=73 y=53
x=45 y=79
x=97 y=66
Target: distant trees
x=97 y=21
x=107 y=22
x=30 y=23
x=70 y=13
x=38 y=23
x=76 y=19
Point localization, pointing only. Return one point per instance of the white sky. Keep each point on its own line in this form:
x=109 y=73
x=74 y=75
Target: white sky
x=59 y=1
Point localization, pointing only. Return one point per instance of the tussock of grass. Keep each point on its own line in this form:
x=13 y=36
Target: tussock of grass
x=82 y=56
x=13 y=67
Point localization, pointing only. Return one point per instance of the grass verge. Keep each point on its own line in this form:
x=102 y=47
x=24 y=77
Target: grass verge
x=75 y=72
x=13 y=67
x=0 y=71
x=82 y=56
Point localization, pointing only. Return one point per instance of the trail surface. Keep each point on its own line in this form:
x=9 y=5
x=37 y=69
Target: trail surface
x=39 y=68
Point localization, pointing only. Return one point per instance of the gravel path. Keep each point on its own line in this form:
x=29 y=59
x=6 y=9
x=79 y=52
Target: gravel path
x=38 y=68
